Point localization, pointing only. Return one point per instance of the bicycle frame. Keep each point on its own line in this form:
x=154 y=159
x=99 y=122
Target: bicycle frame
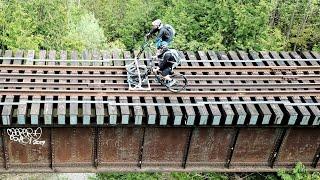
x=135 y=65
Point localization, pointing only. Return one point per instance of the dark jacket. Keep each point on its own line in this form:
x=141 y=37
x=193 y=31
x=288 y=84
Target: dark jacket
x=166 y=61
x=164 y=34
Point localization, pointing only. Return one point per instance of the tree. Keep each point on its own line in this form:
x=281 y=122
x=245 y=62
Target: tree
x=298 y=173
x=18 y=27
x=84 y=34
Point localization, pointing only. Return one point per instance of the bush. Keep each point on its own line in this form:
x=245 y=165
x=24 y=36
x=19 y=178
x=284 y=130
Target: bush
x=298 y=173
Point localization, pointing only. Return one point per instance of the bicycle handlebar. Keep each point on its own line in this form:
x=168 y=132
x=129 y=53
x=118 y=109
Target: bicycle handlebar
x=143 y=46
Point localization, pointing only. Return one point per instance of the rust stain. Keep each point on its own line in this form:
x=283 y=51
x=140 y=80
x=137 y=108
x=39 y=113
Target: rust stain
x=29 y=154
x=253 y=147
x=299 y=145
x=73 y=145
x=2 y=160
x=209 y=146
x=120 y=146
x=164 y=146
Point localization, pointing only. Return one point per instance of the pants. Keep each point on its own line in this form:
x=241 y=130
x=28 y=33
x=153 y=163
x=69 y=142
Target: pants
x=167 y=71
x=161 y=42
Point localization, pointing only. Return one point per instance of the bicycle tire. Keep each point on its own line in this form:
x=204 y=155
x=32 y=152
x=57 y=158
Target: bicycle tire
x=181 y=83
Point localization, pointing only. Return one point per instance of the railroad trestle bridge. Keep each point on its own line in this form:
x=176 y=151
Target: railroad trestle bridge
x=241 y=111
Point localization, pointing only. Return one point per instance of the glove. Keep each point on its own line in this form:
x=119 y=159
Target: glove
x=156 y=69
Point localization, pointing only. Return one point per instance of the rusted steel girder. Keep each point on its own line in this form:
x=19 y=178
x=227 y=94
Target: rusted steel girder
x=91 y=149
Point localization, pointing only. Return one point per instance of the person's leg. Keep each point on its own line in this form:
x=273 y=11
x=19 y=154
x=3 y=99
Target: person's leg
x=166 y=73
x=158 y=43
x=169 y=42
x=167 y=77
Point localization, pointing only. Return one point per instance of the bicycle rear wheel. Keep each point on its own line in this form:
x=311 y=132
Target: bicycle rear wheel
x=180 y=84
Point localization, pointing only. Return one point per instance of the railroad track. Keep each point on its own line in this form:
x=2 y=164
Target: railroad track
x=199 y=68
x=120 y=77
x=241 y=111
x=156 y=86
x=61 y=87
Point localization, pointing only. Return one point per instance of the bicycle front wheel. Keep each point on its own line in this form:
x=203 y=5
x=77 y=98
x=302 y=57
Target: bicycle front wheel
x=180 y=84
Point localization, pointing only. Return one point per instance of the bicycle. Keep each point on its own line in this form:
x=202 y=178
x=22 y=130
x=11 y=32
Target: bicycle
x=138 y=74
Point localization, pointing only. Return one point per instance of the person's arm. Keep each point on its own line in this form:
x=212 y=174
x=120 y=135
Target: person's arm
x=151 y=32
x=161 y=33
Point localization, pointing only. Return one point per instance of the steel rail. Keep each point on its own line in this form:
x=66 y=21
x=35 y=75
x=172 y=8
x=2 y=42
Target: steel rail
x=180 y=68
x=198 y=103
x=131 y=59
x=278 y=59
x=158 y=93
x=199 y=85
x=189 y=76
x=146 y=59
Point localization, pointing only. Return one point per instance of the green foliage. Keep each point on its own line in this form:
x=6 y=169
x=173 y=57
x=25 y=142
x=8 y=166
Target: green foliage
x=86 y=33
x=272 y=40
x=126 y=176
x=251 y=25
x=299 y=23
x=124 y=22
x=298 y=173
x=224 y=25
x=156 y=176
x=18 y=27
x=41 y=24
x=205 y=34
x=50 y=20
x=115 y=45
x=316 y=47
x=198 y=176
x=200 y=25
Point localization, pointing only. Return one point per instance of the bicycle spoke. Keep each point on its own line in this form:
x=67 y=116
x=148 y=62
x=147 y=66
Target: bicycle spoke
x=180 y=84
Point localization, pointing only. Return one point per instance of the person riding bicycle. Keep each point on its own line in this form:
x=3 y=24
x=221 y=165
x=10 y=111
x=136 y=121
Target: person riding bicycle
x=166 y=33
x=167 y=60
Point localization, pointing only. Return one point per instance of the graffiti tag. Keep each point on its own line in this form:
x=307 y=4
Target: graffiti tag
x=25 y=135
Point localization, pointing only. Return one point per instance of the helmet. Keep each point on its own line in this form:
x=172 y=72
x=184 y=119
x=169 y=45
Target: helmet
x=163 y=48
x=156 y=22
x=162 y=45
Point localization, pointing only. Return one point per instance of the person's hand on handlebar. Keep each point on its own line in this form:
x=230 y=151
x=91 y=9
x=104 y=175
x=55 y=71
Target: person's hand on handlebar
x=155 y=69
x=147 y=36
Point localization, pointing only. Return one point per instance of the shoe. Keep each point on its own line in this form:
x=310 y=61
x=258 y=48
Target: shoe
x=171 y=83
x=157 y=79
